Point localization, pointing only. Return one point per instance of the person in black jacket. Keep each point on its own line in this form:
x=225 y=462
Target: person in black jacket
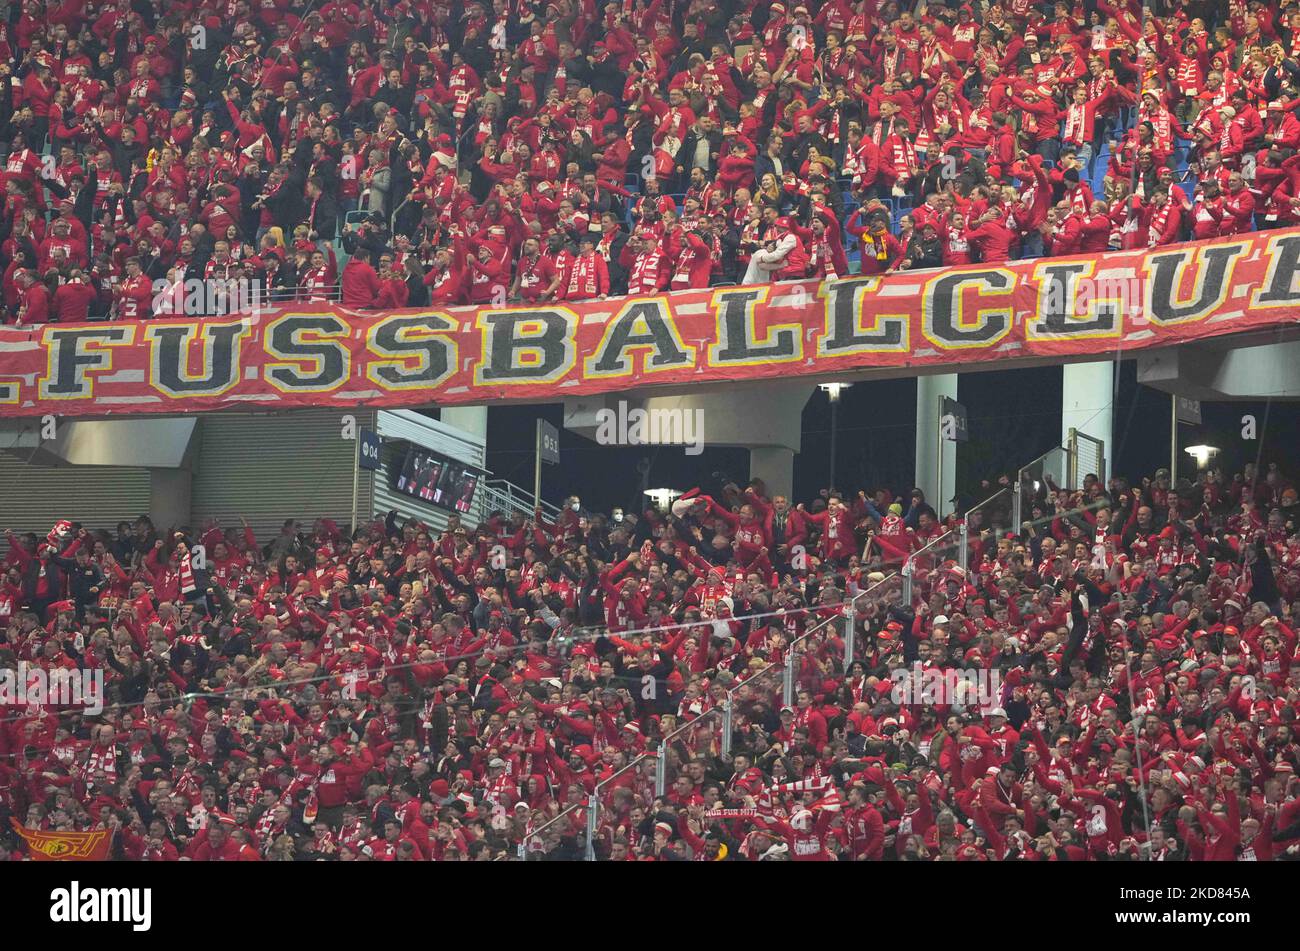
x=282 y=193
x=610 y=246
x=417 y=291
x=645 y=682
x=135 y=676
x=1263 y=586
x=727 y=236
x=42 y=577
x=924 y=250
x=1086 y=643
x=701 y=148
x=323 y=211
x=124 y=148
x=85 y=579
x=401 y=157
x=371 y=236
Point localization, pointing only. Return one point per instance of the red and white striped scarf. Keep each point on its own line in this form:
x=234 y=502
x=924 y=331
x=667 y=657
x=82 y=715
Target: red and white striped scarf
x=902 y=156
x=187 y=575
x=100 y=758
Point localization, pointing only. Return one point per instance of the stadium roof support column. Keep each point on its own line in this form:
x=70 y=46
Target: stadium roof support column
x=470 y=419
x=1087 y=395
x=775 y=466
x=170 y=492
x=930 y=448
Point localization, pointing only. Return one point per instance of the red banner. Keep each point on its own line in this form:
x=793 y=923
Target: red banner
x=323 y=355
x=65 y=846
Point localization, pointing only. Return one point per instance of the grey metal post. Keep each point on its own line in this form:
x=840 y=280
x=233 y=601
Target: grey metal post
x=356 y=478
x=787 y=680
x=593 y=808
x=1072 y=460
x=726 y=727
x=907 y=585
x=963 y=553
x=537 y=464
x=835 y=406
x=850 y=632
x=1017 y=500
x=1173 y=439
x=661 y=768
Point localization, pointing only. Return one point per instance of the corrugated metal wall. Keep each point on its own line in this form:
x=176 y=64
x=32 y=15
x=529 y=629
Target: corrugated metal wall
x=270 y=467
x=33 y=497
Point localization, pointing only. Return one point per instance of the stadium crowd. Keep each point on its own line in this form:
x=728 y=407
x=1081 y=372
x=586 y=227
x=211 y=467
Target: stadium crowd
x=470 y=694
x=483 y=151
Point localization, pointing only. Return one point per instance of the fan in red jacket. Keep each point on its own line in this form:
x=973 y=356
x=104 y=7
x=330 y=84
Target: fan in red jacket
x=586 y=276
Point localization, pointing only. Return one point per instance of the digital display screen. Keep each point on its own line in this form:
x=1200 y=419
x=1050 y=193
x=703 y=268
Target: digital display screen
x=436 y=479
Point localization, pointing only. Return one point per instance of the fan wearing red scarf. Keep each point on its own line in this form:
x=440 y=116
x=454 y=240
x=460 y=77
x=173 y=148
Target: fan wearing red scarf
x=586 y=276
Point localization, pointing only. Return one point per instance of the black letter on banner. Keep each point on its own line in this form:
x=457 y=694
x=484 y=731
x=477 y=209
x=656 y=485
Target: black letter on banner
x=1166 y=269
x=554 y=345
x=612 y=356
x=404 y=340
x=843 y=306
x=70 y=361
x=1281 y=273
x=329 y=355
x=1056 y=303
x=944 y=304
x=169 y=358
x=735 y=342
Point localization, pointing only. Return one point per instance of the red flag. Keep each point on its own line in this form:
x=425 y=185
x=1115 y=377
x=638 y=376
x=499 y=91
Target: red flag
x=66 y=846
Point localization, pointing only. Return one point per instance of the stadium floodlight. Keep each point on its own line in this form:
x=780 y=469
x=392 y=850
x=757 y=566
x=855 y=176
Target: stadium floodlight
x=1202 y=454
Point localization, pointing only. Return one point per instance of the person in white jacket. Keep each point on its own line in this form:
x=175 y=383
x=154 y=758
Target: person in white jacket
x=769 y=259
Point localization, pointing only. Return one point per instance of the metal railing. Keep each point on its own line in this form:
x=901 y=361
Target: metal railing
x=1030 y=479
x=719 y=718
x=594 y=803
x=771 y=677
x=848 y=614
x=525 y=844
x=963 y=556
x=661 y=753
x=1087 y=455
x=909 y=566
x=510 y=499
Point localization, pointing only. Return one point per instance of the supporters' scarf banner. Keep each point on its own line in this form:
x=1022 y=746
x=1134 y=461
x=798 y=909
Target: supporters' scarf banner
x=65 y=846
x=323 y=355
